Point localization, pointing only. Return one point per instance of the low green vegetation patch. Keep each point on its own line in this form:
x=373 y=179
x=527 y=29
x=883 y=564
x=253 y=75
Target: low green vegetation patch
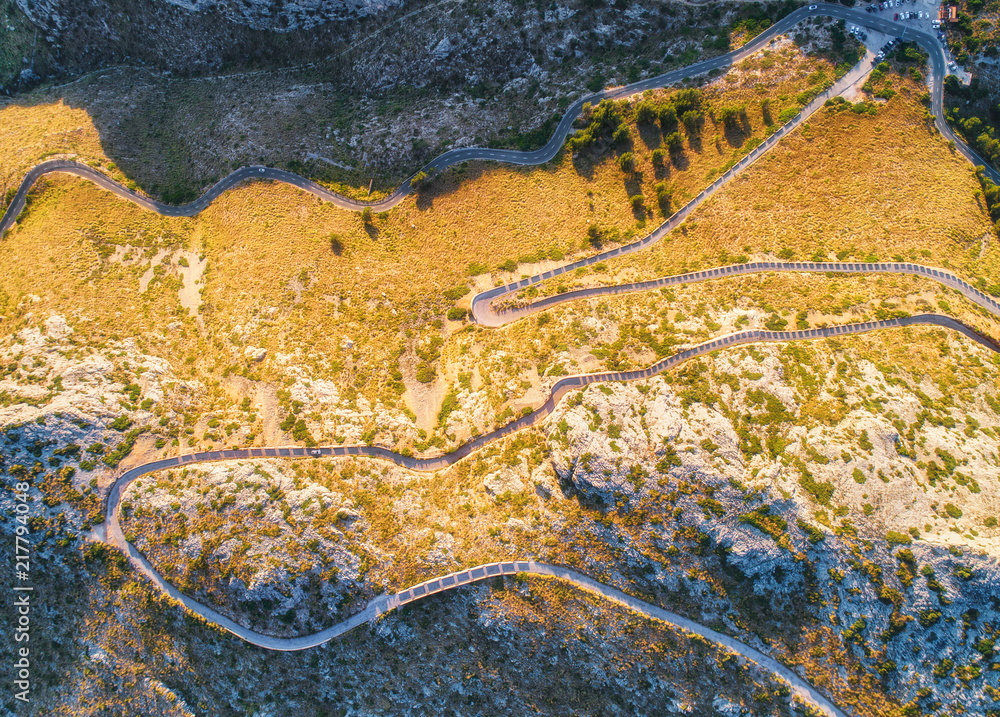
x=762 y=519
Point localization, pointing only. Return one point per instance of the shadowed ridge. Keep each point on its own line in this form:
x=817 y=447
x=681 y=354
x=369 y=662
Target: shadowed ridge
x=534 y=157
x=384 y=603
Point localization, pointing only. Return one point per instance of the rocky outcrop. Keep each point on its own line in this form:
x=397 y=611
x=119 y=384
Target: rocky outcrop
x=257 y=14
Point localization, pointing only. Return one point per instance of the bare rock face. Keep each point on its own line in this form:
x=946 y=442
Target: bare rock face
x=503 y=482
x=617 y=439
x=279 y=15
x=257 y=14
x=189 y=36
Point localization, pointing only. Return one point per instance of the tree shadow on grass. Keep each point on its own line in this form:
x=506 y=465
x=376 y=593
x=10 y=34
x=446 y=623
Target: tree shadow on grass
x=457 y=177
x=737 y=132
x=694 y=140
x=584 y=164
x=633 y=187
x=649 y=133
x=679 y=159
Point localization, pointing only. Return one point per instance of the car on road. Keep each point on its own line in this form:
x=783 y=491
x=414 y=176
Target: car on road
x=315 y=452
x=261 y=170
x=813 y=7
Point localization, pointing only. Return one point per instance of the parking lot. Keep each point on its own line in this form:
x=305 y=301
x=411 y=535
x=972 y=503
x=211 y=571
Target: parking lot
x=920 y=15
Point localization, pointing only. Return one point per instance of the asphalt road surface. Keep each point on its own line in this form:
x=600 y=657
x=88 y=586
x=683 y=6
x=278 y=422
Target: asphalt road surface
x=484 y=313
x=385 y=603
x=114 y=535
x=930 y=43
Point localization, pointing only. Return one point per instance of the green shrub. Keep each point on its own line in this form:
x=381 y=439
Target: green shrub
x=710 y=505
x=668 y=118
x=674 y=141
x=420 y=180
x=457 y=314
x=775 y=323
x=761 y=518
x=943 y=668
x=929 y=617
x=457 y=293
x=894 y=538
x=853 y=633
x=787 y=114
x=963 y=573
x=426 y=373
x=814 y=534
x=670 y=460
x=645 y=112
x=449 y=405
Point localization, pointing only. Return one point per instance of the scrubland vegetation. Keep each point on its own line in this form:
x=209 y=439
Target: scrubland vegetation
x=680 y=511
x=864 y=187
x=828 y=499
x=275 y=274
x=571 y=650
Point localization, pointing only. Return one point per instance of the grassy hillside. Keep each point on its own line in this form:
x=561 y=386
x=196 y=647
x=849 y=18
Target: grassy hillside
x=281 y=264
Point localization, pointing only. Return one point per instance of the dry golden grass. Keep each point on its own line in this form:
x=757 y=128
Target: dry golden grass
x=361 y=314
x=883 y=185
x=59 y=256
x=272 y=272
x=32 y=133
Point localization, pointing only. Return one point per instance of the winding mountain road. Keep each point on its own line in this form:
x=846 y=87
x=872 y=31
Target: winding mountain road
x=382 y=604
x=930 y=43
x=484 y=313
x=385 y=603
